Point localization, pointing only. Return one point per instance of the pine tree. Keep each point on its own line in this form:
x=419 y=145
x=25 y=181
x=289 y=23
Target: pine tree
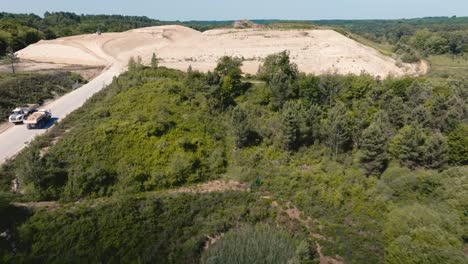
x=329 y=87
x=413 y=147
x=290 y=127
x=154 y=61
x=281 y=90
x=408 y=146
x=397 y=112
x=373 y=147
x=458 y=145
x=240 y=126
x=436 y=150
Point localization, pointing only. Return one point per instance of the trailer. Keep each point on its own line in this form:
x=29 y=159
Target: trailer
x=19 y=114
x=38 y=119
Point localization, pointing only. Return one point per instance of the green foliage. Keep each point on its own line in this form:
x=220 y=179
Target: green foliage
x=244 y=135
x=276 y=64
x=413 y=147
x=309 y=88
x=290 y=127
x=154 y=129
x=431 y=35
x=279 y=73
x=135 y=64
x=259 y=244
x=336 y=129
x=420 y=234
x=299 y=124
x=436 y=151
x=138 y=139
x=407 y=53
x=11 y=216
x=229 y=71
x=373 y=146
x=458 y=145
x=163 y=229
x=4 y=202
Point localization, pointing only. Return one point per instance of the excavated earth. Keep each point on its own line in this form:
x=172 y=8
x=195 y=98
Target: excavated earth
x=315 y=51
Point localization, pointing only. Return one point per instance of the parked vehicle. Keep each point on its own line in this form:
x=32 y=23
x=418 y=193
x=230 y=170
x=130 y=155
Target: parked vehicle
x=18 y=115
x=38 y=119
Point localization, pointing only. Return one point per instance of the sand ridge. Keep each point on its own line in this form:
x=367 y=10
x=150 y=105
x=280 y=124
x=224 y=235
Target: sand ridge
x=315 y=51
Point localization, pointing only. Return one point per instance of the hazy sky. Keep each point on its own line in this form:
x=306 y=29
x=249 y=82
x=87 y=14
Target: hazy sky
x=250 y=9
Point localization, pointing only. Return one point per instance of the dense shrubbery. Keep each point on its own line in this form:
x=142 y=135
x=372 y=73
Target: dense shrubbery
x=356 y=154
x=161 y=229
x=23 y=89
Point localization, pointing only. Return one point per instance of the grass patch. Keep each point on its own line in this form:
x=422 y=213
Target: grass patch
x=448 y=66
x=291 y=25
x=384 y=49
x=257 y=244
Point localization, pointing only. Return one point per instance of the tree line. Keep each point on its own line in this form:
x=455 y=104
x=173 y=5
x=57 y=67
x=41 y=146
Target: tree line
x=412 y=38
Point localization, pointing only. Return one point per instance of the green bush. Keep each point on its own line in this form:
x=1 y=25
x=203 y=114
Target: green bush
x=162 y=229
x=322 y=149
x=458 y=145
x=419 y=234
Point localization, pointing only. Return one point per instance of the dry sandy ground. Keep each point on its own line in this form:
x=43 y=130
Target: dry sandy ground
x=315 y=51
x=87 y=72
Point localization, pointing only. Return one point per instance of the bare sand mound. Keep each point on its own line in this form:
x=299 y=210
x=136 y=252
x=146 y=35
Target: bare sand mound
x=315 y=51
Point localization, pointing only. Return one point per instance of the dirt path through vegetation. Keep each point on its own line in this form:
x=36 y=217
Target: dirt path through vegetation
x=293 y=213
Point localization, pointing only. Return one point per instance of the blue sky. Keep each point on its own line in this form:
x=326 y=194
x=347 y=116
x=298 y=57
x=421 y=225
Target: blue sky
x=250 y=9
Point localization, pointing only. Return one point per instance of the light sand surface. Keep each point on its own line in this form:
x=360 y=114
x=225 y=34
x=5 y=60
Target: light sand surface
x=314 y=51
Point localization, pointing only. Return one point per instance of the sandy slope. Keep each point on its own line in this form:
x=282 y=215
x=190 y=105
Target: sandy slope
x=315 y=51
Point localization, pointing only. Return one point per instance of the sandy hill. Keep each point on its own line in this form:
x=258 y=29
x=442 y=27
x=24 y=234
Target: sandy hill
x=315 y=51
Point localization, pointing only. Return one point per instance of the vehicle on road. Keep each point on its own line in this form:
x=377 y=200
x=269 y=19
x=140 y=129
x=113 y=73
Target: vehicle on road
x=19 y=114
x=38 y=119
